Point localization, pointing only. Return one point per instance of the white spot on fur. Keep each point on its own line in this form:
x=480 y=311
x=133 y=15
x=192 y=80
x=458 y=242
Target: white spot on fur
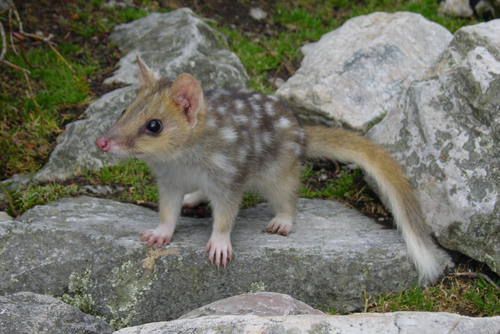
x=283 y=123
x=257 y=145
x=240 y=119
x=275 y=98
x=228 y=134
x=239 y=104
x=269 y=107
x=255 y=122
x=255 y=107
x=211 y=123
x=221 y=110
x=223 y=162
x=256 y=97
x=242 y=155
x=266 y=138
x=302 y=135
x=294 y=147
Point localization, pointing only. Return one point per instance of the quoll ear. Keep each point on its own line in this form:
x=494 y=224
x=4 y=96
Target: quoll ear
x=188 y=95
x=147 y=76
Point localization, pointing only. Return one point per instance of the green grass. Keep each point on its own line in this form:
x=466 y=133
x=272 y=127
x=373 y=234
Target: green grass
x=39 y=195
x=26 y=131
x=345 y=186
x=132 y=174
x=466 y=296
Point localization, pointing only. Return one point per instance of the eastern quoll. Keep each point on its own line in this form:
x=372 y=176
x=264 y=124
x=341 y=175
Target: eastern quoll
x=214 y=145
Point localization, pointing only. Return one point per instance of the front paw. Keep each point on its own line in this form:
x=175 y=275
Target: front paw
x=281 y=224
x=220 y=250
x=158 y=236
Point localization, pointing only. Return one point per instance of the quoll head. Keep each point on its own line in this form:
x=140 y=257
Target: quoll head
x=161 y=120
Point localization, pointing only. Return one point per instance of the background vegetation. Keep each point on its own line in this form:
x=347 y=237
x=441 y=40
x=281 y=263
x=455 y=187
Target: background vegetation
x=35 y=106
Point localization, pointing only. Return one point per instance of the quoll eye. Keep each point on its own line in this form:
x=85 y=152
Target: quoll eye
x=154 y=126
x=123 y=111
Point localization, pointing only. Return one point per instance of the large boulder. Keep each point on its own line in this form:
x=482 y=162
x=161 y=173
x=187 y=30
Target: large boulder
x=358 y=72
x=89 y=249
x=175 y=43
x=447 y=136
x=170 y=43
x=30 y=313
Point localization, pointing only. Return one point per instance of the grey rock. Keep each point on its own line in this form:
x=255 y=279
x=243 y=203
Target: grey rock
x=5 y=216
x=258 y=13
x=358 y=72
x=90 y=248
x=30 y=313
x=261 y=304
x=76 y=150
x=460 y=8
x=175 y=43
x=120 y=4
x=102 y=190
x=447 y=136
x=170 y=43
x=366 y=323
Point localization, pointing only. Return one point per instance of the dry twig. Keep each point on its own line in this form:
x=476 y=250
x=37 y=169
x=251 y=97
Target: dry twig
x=476 y=275
x=20 y=36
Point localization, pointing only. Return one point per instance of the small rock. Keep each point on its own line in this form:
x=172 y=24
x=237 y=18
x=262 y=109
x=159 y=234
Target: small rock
x=278 y=82
x=261 y=304
x=102 y=190
x=258 y=13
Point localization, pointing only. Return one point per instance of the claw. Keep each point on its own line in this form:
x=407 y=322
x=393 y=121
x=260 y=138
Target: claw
x=157 y=237
x=219 y=251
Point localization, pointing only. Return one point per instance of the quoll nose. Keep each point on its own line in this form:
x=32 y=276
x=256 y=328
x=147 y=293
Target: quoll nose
x=103 y=144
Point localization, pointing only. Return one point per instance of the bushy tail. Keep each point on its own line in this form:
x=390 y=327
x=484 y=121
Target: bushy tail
x=348 y=146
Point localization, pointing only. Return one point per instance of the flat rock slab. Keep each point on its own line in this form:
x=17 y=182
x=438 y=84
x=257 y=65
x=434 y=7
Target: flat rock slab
x=366 y=323
x=90 y=247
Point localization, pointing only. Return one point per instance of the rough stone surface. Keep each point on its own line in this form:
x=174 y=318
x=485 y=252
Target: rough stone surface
x=170 y=43
x=176 y=43
x=90 y=248
x=447 y=136
x=5 y=216
x=358 y=72
x=30 y=313
x=260 y=303
x=366 y=323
